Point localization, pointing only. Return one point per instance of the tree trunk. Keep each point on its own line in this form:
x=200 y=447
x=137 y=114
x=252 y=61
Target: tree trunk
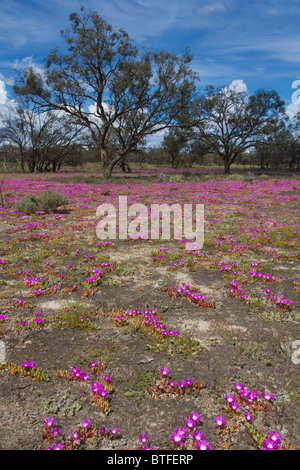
x=125 y=167
x=107 y=168
x=226 y=166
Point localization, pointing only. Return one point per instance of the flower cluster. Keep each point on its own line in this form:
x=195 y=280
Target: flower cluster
x=161 y=256
x=166 y=386
x=189 y=293
x=265 y=277
x=145 y=319
x=236 y=290
x=97 y=273
x=27 y=368
x=188 y=436
x=247 y=397
x=273 y=441
x=99 y=392
x=280 y=302
x=28 y=365
x=57 y=440
x=99 y=389
x=32 y=281
x=79 y=374
x=252 y=402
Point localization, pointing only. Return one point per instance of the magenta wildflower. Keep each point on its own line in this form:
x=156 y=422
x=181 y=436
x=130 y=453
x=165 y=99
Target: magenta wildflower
x=85 y=423
x=190 y=423
x=188 y=381
x=58 y=446
x=93 y=364
x=102 y=430
x=55 y=431
x=195 y=416
x=203 y=445
x=143 y=437
x=96 y=387
x=38 y=320
x=238 y=386
x=28 y=364
x=269 y=444
x=267 y=396
x=230 y=398
x=49 y=422
x=234 y=406
x=114 y=431
x=220 y=421
x=74 y=436
x=248 y=416
x=164 y=371
x=178 y=435
x=198 y=436
x=275 y=436
x=252 y=396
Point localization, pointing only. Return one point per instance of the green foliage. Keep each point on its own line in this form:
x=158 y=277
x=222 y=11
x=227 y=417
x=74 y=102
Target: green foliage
x=46 y=201
x=75 y=316
x=143 y=379
x=28 y=204
x=63 y=406
x=51 y=200
x=147 y=89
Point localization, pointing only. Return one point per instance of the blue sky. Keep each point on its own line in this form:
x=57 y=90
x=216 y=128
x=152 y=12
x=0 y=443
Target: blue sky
x=254 y=42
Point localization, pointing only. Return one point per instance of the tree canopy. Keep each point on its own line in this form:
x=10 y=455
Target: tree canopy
x=229 y=122
x=106 y=84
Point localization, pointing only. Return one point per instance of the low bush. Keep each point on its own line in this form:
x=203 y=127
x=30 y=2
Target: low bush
x=46 y=201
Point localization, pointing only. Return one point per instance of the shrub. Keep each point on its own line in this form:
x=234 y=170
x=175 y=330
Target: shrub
x=236 y=177
x=51 y=200
x=175 y=178
x=46 y=201
x=28 y=204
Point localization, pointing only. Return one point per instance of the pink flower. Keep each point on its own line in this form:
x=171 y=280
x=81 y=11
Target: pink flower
x=203 y=445
x=267 y=396
x=220 y=421
x=248 y=416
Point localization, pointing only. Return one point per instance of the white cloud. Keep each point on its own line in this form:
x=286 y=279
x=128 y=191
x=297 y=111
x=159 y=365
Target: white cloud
x=3 y=94
x=7 y=105
x=238 y=86
x=292 y=110
x=26 y=62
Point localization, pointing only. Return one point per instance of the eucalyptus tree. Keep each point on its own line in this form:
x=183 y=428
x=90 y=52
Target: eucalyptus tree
x=105 y=83
x=229 y=122
x=175 y=142
x=41 y=141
